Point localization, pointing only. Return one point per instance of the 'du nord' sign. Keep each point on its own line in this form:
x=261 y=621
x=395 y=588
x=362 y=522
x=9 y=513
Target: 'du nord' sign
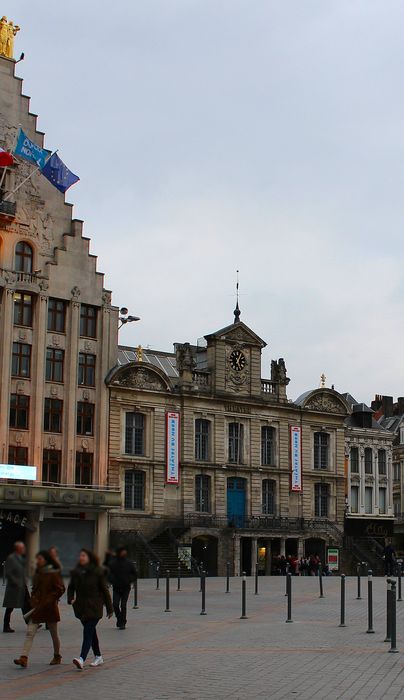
x=173 y=447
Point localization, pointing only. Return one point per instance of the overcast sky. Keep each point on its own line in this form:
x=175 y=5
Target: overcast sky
x=260 y=135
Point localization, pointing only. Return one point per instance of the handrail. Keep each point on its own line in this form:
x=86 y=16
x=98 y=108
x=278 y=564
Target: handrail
x=147 y=546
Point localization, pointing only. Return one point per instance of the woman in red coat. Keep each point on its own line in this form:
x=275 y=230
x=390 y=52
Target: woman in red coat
x=47 y=588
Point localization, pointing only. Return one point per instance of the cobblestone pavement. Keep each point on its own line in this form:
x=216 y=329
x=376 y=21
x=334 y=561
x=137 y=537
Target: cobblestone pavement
x=181 y=654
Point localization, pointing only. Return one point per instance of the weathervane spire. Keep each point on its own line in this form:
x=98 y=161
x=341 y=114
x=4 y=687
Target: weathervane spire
x=237 y=311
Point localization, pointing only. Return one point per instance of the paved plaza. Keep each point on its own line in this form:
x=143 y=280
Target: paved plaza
x=181 y=654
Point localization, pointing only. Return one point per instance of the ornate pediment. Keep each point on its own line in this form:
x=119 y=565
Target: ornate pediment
x=237 y=333
x=140 y=377
x=326 y=403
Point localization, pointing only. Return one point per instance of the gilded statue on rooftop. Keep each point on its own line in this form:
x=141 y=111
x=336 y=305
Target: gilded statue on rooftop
x=8 y=30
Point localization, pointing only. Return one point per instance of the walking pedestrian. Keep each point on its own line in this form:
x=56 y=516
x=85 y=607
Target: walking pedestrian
x=88 y=593
x=47 y=589
x=16 y=595
x=122 y=574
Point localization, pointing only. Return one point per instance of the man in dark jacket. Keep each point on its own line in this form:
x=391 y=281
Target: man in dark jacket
x=122 y=574
x=16 y=595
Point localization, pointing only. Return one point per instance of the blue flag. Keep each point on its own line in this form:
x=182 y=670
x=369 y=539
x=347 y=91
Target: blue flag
x=58 y=173
x=25 y=148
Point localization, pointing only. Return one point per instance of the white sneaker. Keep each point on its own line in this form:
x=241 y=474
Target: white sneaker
x=98 y=660
x=79 y=663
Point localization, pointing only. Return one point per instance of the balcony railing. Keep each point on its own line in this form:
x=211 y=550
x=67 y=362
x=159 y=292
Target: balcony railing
x=274 y=523
x=268 y=387
x=201 y=379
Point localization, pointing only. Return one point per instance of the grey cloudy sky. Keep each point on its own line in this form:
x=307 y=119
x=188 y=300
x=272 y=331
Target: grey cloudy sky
x=212 y=135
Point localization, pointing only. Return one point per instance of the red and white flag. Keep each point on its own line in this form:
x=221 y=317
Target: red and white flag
x=6 y=158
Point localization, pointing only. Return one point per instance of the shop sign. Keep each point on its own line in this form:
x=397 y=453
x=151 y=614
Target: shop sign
x=44 y=496
x=9 y=516
x=333 y=558
x=16 y=471
x=173 y=447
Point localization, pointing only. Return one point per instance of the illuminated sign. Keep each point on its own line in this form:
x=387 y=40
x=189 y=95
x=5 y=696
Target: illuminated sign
x=16 y=471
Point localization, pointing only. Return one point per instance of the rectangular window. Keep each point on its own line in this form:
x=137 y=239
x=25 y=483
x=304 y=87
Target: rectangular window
x=202 y=493
x=368 y=460
x=397 y=471
x=235 y=443
x=23 y=309
x=354 y=499
x=85 y=418
x=88 y=321
x=267 y=445
x=354 y=460
x=134 y=434
x=202 y=439
x=382 y=501
x=397 y=507
x=86 y=369
x=51 y=466
x=54 y=365
x=321 y=449
x=84 y=468
x=381 y=462
x=19 y=411
x=321 y=498
x=134 y=489
x=52 y=421
x=18 y=455
x=56 y=315
x=21 y=360
x=368 y=499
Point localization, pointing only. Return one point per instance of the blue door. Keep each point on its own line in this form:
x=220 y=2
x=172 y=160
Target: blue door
x=236 y=501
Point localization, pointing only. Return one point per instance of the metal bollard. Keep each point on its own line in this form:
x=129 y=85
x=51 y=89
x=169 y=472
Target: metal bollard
x=358 y=572
x=393 y=619
x=256 y=579
x=286 y=580
x=320 y=575
x=135 y=605
x=203 y=589
x=3 y=563
x=289 y=594
x=167 y=591
x=179 y=578
x=243 y=597
x=388 y=611
x=342 y=618
x=157 y=577
x=370 y=629
x=228 y=577
x=399 y=572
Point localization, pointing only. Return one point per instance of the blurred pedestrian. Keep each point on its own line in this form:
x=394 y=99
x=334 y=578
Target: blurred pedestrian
x=47 y=589
x=88 y=593
x=122 y=573
x=16 y=595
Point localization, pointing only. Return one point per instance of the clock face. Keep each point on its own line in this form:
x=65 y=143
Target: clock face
x=237 y=360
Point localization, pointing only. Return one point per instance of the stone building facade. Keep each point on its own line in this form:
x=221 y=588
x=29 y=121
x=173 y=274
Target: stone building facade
x=59 y=340
x=234 y=500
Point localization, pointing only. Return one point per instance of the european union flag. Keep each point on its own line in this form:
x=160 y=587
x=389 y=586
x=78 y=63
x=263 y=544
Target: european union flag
x=58 y=173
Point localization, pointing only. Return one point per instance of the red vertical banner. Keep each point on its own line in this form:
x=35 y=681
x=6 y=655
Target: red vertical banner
x=172 y=447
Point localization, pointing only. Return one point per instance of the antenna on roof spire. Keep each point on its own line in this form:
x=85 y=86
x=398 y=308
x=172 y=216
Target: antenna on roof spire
x=237 y=311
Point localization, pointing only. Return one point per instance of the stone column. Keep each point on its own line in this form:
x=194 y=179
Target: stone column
x=254 y=555
x=300 y=547
x=8 y=311
x=237 y=555
x=268 y=561
x=361 y=480
x=101 y=533
x=283 y=547
x=71 y=363
x=38 y=382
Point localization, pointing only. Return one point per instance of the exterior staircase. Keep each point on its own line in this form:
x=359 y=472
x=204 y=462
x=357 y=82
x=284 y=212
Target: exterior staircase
x=366 y=549
x=165 y=547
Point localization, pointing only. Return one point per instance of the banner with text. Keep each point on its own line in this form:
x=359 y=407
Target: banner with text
x=296 y=458
x=173 y=447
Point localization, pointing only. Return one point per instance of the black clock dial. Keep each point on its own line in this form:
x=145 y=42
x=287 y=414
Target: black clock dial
x=237 y=360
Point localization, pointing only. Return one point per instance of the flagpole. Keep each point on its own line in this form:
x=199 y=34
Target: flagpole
x=10 y=194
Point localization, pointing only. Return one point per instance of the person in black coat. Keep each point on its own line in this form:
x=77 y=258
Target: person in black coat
x=88 y=593
x=16 y=595
x=122 y=574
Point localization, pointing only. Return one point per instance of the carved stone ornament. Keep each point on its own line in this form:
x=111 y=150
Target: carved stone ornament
x=86 y=395
x=75 y=293
x=141 y=378
x=20 y=388
x=84 y=444
x=54 y=390
x=18 y=438
x=106 y=298
x=51 y=442
x=55 y=341
x=22 y=335
x=325 y=404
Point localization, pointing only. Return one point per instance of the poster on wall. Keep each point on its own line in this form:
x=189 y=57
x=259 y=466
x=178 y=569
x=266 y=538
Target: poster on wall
x=296 y=458
x=185 y=555
x=173 y=447
x=333 y=558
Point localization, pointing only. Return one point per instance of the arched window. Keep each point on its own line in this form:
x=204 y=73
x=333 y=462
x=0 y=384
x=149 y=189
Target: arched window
x=268 y=497
x=24 y=257
x=202 y=493
x=321 y=450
